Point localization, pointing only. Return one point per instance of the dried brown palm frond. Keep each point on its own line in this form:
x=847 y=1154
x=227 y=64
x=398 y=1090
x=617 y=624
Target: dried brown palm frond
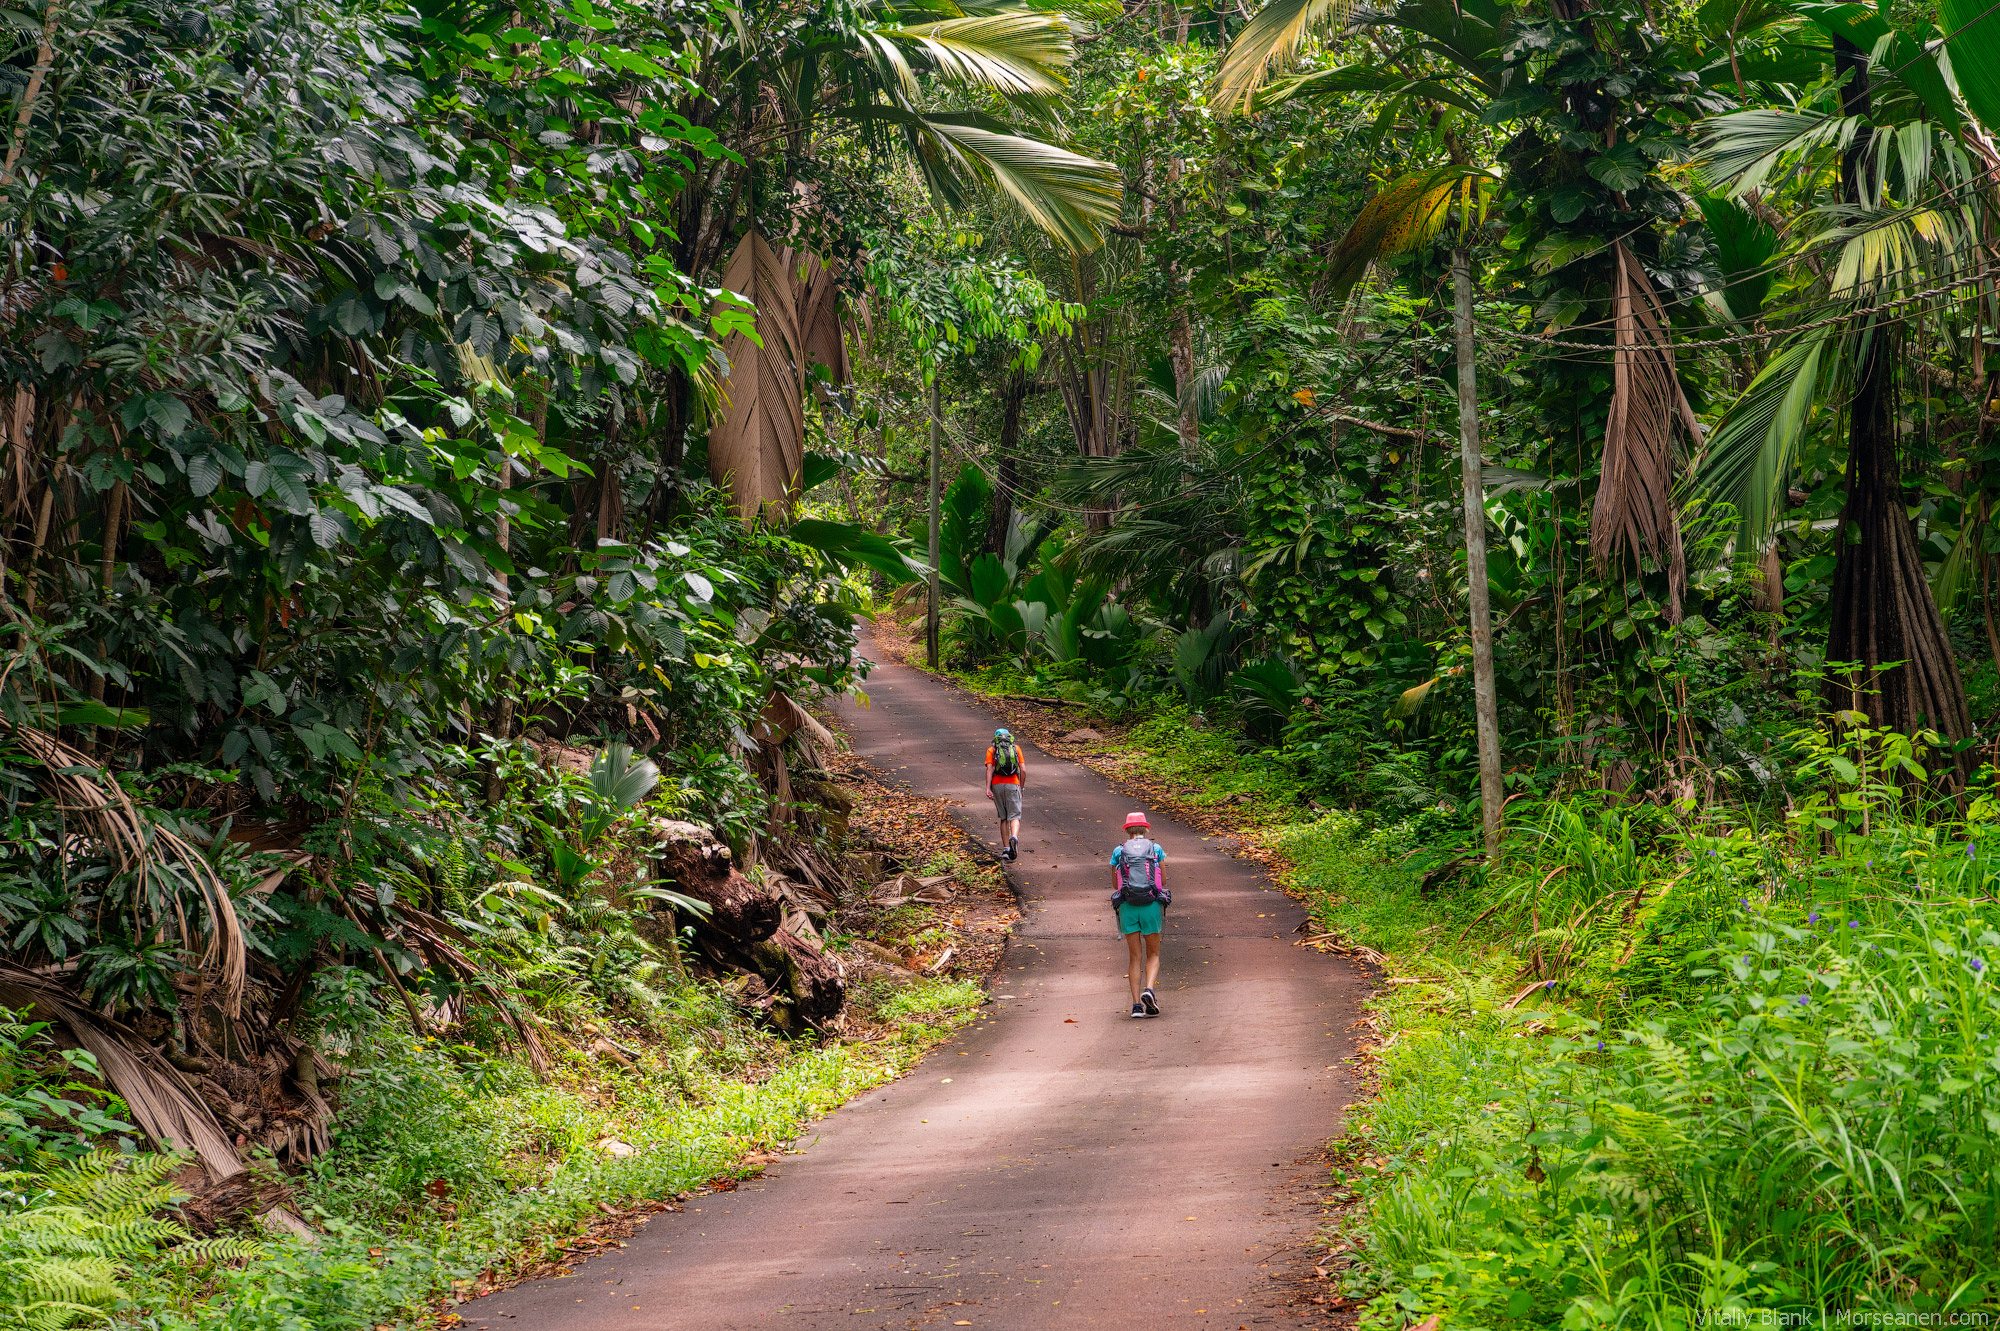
x=104 y=817
x=1634 y=516
x=822 y=329
x=441 y=945
x=757 y=448
x=161 y=1101
x=782 y=716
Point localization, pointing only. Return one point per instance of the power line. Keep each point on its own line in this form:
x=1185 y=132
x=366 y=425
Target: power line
x=1702 y=344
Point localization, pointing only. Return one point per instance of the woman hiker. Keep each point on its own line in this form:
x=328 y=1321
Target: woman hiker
x=1140 y=899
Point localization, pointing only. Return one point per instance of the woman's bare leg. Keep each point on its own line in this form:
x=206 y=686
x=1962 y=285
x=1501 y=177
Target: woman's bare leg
x=1135 y=945
x=1152 y=959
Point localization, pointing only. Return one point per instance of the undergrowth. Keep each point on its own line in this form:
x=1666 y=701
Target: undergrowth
x=1661 y=1067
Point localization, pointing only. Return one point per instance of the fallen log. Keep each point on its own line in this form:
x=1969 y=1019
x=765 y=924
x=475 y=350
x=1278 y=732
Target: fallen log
x=806 y=985
x=700 y=866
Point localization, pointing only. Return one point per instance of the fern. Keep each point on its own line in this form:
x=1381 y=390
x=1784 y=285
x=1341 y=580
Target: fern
x=70 y=1232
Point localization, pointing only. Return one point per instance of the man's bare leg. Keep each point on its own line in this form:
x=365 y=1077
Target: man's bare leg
x=1136 y=945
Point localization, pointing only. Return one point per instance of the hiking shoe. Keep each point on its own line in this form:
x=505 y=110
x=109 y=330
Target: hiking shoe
x=1138 y=1009
x=1150 y=1003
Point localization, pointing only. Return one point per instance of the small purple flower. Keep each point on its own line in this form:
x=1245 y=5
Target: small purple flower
x=1971 y=849
x=1977 y=965
x=1813 y=918
x=1803 y=1000
x=1746 y=900
x=1600 y=1046
x=1550 y=985
x=1854 y=924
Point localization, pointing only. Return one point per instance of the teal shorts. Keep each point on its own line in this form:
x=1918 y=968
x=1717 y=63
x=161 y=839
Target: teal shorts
x=1148 y=919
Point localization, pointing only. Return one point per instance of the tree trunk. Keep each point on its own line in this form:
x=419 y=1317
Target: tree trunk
x=1470 y=464
x=1007 y=462
x=1884 y=622
x=931 y=608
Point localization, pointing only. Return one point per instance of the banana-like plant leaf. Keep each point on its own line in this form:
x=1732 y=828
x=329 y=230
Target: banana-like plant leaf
x=1972 y=35
x=857 y=547
x=1407 y=213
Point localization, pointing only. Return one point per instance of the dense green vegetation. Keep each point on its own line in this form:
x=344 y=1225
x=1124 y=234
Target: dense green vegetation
x=447 y=448
x=1651 y=1070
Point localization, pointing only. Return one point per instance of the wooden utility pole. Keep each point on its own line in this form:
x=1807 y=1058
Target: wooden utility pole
x=931 y=612
x=1469 y=465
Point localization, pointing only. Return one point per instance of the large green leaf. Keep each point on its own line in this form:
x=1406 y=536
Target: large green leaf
x=1406 y=214
x=1972 y=35
x=856 y=547
x=619 y=779
x=1747 y=465
x=1744 y=245
x=1071 y=197
x=989 y=580
x=1016 y=54
x=962 y=524
x=1893 y=54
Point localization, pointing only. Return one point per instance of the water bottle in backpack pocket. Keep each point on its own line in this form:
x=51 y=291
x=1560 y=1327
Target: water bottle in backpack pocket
x=1139 y=881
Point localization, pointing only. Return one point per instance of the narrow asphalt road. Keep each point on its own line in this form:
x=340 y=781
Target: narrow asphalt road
x=1059 y=1165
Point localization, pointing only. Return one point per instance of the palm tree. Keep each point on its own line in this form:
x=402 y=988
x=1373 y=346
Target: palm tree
x=865 y=76
x=1888 y=185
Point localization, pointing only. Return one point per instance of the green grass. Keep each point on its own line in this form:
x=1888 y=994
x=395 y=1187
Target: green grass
x=450 y=1164
x=1757 y=1080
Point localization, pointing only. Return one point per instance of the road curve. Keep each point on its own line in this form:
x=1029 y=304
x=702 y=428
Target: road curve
x=1059 y=1165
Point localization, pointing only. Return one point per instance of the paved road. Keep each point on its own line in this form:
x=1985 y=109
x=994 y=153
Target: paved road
x=1059 y=1165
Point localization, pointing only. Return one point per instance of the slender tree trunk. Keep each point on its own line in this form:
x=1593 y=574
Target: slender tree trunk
x=1470 y=463
x=1007 y=461
x=1883 y=618
x=931 y=609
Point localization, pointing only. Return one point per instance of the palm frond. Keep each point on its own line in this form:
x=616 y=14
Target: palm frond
x=1973 y=38
x=1270 y=42
x=1070 y=197
x=1015 y=54
x=1634 y=513
x=1742 y=149
x=1747 y=463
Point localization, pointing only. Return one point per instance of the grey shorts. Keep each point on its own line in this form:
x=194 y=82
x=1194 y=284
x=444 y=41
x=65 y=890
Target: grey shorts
x=1006 y=800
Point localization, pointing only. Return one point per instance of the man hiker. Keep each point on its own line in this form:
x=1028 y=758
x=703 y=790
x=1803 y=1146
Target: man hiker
x=1003 y=786
x=1140 y=899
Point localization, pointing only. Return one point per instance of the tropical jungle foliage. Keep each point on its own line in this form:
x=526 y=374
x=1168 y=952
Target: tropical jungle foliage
x=447 y=447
